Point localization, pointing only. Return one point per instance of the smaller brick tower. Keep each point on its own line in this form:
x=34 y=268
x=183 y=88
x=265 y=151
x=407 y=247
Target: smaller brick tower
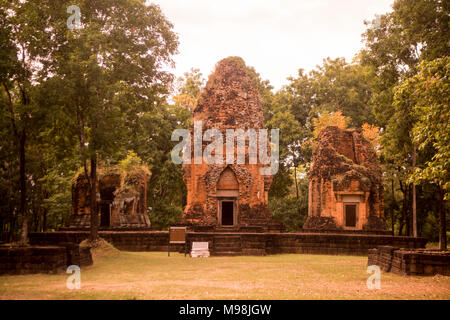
x=345 y=184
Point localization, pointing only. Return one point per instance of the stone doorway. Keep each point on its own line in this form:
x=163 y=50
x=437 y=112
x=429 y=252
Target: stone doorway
x=351 y=214
x=227 y=213
x=104 y=205
x=227 y=192
x=105 y=213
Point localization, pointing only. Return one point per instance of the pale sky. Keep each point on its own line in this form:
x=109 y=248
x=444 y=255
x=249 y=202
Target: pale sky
x=275 y=37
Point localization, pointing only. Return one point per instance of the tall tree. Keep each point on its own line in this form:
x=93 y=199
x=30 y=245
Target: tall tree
x=24 y=45
x=413 y=31
x=108 y=75
x=430 y=91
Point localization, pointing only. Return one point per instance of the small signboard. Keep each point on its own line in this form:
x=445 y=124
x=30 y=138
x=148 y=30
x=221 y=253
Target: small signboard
x=177 y=235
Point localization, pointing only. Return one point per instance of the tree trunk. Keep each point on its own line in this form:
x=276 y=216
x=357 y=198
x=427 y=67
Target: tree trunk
x=44 y=220
x=12 y=228
x=12 y=219
x=36 y=218
x=408 y=212
x=414 y=206
x=442 y=221
x=20 y=139
x=23 y=190
x=403 y=217
x=392 y=208
x=295 y=177
x=93 y=204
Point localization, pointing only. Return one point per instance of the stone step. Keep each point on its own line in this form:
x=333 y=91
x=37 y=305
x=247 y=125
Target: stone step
x=225 y=230
x=227 y=245
x=227 y=240
x=227 y=236
x=221 y=241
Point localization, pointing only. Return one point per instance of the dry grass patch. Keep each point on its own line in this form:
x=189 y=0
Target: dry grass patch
x=153 y=275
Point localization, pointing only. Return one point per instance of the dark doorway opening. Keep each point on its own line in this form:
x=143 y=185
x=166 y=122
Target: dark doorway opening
x=350 y=215
x=105 y=214
x=227 y=213
x=107 y=194
x=104 y=205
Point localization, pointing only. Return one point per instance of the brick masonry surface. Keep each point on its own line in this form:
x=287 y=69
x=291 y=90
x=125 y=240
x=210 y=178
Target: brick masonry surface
x=43 y=259
x=221 y=243
x=406 y=261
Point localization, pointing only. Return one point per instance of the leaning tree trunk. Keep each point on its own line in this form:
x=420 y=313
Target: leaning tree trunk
x=23 y=190
x=93 y=198
x=442 y=221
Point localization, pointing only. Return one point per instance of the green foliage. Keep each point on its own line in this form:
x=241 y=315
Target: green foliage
x=132 y=165
x=164 y=214
x=291 y=211
x=191 y=83
x=334 y=86
x=430 y=228
x=430 y=91
x=58 y=204
x=130 y=162
x=287 y=207
x=281 y=184
x=414 y=30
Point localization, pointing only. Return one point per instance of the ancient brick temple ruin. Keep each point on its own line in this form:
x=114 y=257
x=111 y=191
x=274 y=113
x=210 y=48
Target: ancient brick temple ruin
x=345 y=185
x=227 y=204
x=228 y=196
x=121 y=200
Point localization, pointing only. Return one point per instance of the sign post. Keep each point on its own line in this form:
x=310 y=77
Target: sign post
x=177 y=235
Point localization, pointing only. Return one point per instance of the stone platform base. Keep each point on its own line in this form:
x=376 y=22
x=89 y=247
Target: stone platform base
x=43 y=259
x=227 y=244
x=405 y=261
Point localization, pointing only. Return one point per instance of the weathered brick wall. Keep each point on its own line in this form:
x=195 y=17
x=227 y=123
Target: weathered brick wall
x=406 y=261
x=43 y=259
x=76 y=254
x=249 y=243
x=345 y=244
x=27 y=260
x=124 y=194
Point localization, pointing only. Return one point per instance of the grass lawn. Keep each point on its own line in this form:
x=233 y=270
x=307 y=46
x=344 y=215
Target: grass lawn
x=153 y=275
